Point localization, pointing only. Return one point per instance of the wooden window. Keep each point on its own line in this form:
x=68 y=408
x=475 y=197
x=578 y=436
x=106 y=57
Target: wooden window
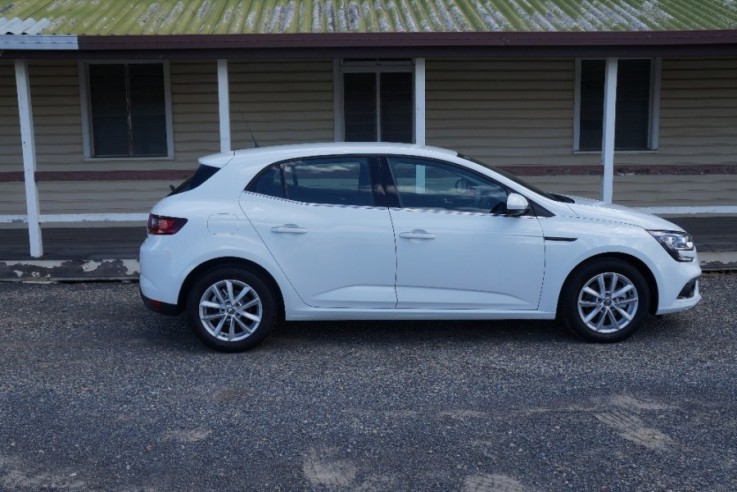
x=378 y=103
x=634 y=105
x=128 y=110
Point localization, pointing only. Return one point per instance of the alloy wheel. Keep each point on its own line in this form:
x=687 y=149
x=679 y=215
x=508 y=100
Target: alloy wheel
x=608 y=302
x=230 y=310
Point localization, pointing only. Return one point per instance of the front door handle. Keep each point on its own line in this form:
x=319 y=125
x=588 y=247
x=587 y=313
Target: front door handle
x=417 y=234
x=289 y=229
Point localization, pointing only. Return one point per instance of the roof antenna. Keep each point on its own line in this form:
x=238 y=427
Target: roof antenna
x=248 y=128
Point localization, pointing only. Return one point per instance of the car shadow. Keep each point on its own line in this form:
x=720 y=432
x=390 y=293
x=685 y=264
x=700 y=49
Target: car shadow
x=416 y=332
x=174 y=334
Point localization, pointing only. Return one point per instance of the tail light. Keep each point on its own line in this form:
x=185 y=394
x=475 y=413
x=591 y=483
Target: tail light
x=164 y=226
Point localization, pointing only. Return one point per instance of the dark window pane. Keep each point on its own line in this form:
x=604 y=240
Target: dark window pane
x=128 y=110
x=396 y=107
x=633 y=104
x=148 y=109
x=359 y=107
x=330 y=180
x=592 y=104
x=109 y=110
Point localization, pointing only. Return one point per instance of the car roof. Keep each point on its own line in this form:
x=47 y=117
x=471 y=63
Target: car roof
x=279 y=152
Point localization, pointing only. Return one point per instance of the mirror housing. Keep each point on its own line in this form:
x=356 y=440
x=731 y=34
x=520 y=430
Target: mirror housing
x=517 y=205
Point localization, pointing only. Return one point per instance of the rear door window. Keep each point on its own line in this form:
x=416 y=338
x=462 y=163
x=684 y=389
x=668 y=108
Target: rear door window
x=341 y=180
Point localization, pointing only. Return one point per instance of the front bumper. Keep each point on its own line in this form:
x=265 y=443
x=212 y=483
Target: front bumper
x=688 y=296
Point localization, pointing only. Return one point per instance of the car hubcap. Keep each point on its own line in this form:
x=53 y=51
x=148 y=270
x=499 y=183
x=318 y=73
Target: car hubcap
x=608 y=302
x=230 y=310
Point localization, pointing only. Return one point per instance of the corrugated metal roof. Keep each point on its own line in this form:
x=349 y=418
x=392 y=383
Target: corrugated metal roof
x=159 y=17
x=17 y=25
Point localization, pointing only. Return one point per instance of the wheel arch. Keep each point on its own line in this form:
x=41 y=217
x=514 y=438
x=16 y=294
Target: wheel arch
x=627 y=258
x=233 y=262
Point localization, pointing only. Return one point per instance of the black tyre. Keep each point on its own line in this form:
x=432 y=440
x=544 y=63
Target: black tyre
x=605 y=301
x=231 y=309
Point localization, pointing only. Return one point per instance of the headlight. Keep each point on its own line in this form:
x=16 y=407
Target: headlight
x=675 y=243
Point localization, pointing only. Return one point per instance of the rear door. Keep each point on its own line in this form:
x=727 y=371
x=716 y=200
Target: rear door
x=324 y=221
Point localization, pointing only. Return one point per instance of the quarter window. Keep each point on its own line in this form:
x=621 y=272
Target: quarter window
x=127 y=110
x=430 y=184
x=326 y=180
x=633 y=113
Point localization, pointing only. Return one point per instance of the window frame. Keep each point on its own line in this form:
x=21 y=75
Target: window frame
x=86 y=108
x=653 y=137
x=377 y=67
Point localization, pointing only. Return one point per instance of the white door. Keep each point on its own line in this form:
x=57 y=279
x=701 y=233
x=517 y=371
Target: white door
x=452 y=252
x=335 y=247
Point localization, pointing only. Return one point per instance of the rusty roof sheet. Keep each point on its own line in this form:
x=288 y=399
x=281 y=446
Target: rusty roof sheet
x=162 y=17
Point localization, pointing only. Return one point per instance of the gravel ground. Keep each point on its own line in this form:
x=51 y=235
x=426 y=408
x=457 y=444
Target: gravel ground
x=96 y=392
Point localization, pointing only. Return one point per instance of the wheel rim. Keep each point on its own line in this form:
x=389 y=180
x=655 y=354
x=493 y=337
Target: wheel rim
x=608 y=302
x=230 y=310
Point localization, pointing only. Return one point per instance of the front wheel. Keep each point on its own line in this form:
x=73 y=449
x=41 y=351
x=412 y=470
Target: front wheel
x=605 y=301
x=231 y=309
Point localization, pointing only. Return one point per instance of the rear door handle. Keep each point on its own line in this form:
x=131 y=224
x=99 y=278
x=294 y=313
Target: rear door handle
x=289 y=229
x=417 y=234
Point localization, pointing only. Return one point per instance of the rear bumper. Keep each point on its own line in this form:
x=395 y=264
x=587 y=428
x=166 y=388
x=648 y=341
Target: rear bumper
x=161 y=307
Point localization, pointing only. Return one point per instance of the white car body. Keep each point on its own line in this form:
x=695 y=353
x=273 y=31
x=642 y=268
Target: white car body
x=366 y=262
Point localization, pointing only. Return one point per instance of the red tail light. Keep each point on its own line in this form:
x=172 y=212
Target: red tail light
x=164 y=226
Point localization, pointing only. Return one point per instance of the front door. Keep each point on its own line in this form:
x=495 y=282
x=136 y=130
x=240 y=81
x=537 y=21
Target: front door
x=452 y=251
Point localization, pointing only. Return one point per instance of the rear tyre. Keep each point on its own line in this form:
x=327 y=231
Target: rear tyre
x=605 y=301
x=231 y=309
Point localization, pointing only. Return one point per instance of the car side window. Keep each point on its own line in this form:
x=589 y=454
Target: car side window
x=424 y=183
x=343 y=180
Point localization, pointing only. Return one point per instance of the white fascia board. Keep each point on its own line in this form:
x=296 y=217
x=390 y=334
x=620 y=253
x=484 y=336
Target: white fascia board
x=36 y=42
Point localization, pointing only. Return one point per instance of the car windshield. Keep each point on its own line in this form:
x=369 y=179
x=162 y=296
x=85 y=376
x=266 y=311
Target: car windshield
x=521 y=182
x=202 y=174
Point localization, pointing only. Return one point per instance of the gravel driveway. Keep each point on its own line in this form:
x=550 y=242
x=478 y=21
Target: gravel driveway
x=96 y=392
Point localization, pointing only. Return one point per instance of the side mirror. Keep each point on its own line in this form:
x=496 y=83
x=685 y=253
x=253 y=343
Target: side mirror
x=517 y=205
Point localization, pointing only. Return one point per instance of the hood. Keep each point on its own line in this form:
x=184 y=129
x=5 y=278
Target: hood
x=588 y=208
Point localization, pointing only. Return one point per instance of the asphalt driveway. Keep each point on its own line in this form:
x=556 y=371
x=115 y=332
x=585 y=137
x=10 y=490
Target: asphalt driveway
x=98 y=393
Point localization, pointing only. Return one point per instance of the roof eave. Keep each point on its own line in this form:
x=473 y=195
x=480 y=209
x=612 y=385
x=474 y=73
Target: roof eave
x=409 y=39
x=394 y=45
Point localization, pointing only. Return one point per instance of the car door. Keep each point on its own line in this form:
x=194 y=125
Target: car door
x=320 y=219
x=452 y=251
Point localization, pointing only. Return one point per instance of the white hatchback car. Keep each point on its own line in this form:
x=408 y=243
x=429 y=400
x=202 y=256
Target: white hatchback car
x=343 y=231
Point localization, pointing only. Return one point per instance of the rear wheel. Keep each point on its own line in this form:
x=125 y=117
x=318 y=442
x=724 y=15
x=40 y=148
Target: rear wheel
x=605 y=301
x=231 y=309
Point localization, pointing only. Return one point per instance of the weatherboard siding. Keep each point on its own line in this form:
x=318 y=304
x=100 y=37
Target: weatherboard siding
x=10 y=146
x=506 y=112
x=280 y=103
x=520 y=113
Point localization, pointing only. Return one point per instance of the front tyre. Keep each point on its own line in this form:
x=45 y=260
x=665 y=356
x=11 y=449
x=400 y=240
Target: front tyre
x=605 y=301
x=231 y=309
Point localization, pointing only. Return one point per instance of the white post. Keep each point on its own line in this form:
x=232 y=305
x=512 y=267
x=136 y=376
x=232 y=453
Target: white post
x=420 y=101
x=28 y=144
x=224 y=105
x=609 y=122
x=338 y=130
